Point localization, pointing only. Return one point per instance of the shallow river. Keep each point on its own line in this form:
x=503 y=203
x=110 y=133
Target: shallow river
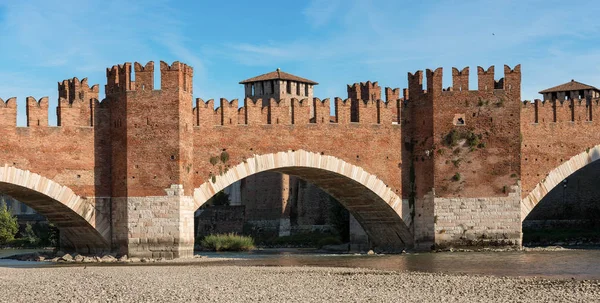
x=577 y=264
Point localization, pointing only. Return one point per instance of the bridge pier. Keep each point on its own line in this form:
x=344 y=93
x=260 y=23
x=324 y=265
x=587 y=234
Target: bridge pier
x=458 y=222
x=155 y=226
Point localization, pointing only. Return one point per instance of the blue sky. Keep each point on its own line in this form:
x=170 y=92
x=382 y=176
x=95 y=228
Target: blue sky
x=333 y=42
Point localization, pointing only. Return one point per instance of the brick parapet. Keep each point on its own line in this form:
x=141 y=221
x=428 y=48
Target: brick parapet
x=289 y=112
x=557 y=111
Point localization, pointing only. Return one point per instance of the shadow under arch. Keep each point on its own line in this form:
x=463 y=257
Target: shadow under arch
x=82 y=228
x=555 y=177
x=375 y=206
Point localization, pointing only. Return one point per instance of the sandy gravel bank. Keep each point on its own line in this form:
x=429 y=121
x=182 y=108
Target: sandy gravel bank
x=275 y=284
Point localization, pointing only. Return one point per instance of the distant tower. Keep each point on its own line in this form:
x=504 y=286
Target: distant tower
x=279 y=85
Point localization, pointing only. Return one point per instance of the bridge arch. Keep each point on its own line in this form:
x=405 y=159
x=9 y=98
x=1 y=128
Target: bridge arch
x=82 y=227
x=374 y=204
x=555 y=177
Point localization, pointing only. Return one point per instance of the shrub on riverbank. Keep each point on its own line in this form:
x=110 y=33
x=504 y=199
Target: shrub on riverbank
x=227 y=242
x=39 y=235
x=8 y=225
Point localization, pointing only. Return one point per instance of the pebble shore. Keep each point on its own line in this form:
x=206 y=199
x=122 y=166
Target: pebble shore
x=276 y=284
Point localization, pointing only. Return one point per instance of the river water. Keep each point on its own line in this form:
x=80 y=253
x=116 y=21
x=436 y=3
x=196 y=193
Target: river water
x=565 y=264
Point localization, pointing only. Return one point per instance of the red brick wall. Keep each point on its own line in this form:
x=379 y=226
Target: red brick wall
x=553 y=132
x=66 y=155
x=152 y=131
x=493 y=114
x=372 y=146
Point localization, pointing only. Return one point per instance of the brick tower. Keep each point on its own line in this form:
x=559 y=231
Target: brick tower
x=461 y=154
x=152 y=187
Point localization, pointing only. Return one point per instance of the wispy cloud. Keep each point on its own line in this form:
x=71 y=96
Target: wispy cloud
x=386 y=39
x=63 y=37
x=320 y=12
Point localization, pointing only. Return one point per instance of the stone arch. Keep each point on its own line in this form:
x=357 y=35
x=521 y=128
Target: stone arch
x=82 y=227
x=556 y=176
x=374 y=204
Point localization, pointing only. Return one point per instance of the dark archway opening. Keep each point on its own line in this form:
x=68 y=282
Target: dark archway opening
x=569 y=215
x=34 y=229
x=280 y=211
x=76 y=233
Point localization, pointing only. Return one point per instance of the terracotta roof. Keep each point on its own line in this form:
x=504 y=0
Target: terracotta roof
x=278 y=75
x=569 y=86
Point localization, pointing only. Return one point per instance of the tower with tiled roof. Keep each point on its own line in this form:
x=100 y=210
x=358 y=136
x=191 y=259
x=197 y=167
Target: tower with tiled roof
x=278 y=85
x=570 y=90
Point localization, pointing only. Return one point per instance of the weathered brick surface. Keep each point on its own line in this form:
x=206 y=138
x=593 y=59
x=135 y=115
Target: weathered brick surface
x=436 y=167
x=555 y=134
x=140 y=141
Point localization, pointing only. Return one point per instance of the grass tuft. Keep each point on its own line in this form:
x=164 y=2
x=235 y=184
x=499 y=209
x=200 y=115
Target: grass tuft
x=227 y=242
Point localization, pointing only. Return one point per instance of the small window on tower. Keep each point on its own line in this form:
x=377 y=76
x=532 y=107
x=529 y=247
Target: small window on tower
x=459 y=119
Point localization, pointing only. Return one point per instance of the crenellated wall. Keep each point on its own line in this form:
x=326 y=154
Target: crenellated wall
x=289 y=112
x=552 y=133
x=61 y=172
x=8 y=112
x=461 y=143
x=456 y=156
x=76 y=103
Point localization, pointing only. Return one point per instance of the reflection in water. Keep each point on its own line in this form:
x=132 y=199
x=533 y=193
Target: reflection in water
x=578 y=264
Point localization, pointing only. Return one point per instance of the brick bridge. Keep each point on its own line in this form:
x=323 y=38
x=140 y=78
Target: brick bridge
x=127 y=173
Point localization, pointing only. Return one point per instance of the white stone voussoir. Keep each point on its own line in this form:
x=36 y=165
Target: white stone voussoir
x=556 y=176
x=298 y=158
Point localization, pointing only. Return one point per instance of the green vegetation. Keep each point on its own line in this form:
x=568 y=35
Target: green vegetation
x=472 y=139
x=219 y=199
x=456 y=177
x=456 y=162
x=224 y=157
x=228 y=242
x=452 y=138
x=500 y=102
x=35 y=236
x=8 y=225
x=223 y=166
x=482 y=102
x=29 y=236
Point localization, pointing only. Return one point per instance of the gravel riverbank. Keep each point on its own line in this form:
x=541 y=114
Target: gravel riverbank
x=275 y=284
